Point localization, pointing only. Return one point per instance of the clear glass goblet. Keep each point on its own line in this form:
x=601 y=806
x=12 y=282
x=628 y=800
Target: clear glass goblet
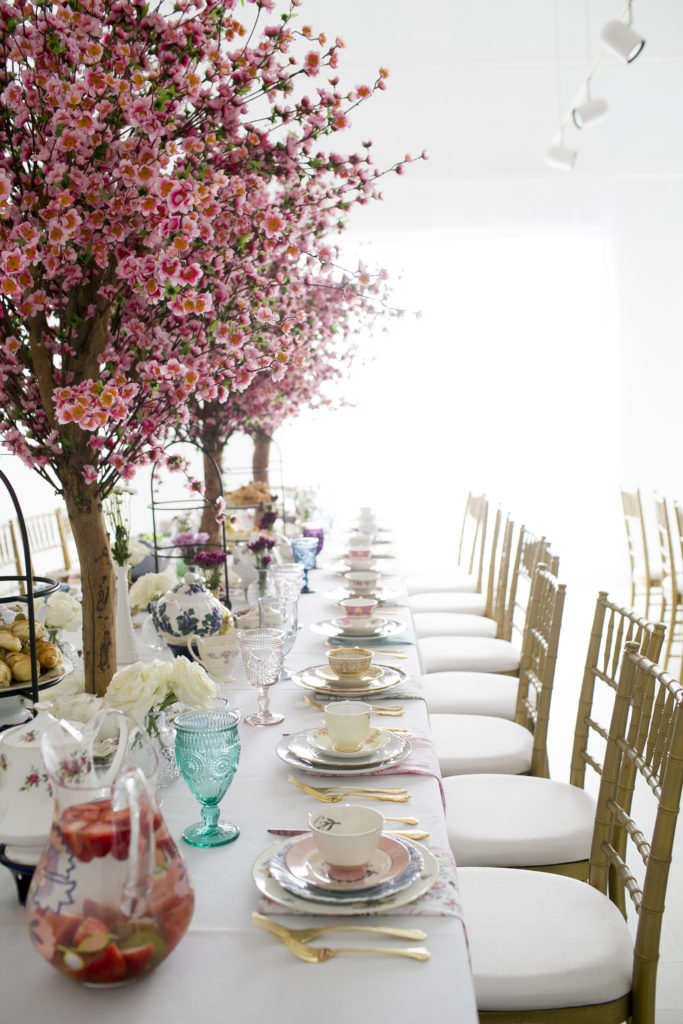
x=304 y=550
x=262 y=651
x=207 y=747
x=281 y=612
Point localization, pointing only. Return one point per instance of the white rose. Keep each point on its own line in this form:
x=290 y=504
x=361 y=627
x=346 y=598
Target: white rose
x=192 y=684
x=150 y=587
x=136 y=551
x=77 y=707
x=64 y=612
x=138 y=688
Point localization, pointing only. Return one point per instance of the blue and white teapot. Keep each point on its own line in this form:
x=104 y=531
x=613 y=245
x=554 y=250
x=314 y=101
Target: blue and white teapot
x=189 y=608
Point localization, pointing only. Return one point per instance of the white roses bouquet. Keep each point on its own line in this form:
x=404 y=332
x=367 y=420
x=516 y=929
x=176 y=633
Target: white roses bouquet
x=156 y=685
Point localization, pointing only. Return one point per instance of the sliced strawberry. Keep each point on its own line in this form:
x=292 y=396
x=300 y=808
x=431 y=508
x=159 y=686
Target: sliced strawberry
x=88 y=927
x=63 y=926
x=105 y=967
x=109 y=915
x=137 y=958
x=176 y=920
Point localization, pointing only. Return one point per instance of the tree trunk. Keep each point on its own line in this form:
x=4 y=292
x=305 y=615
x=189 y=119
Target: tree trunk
x=261 y=457
x=98 y=584
x=212 y=491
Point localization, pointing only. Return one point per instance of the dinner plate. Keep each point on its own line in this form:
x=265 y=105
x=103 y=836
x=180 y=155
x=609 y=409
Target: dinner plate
x=300 y=869
x=269 y=887
x=298 y=753
x=331 y=628
x=308 y=679
x=357 y=679
x=45 y=679
x=320 y=740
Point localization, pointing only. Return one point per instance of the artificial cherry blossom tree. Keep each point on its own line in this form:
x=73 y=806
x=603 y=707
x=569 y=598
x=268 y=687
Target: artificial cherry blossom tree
x=153 y=157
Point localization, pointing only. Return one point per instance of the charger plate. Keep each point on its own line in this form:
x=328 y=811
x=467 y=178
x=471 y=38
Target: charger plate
x=309 y=679
x=300 y=745
x=300 y=869
x=333 y=628
x=269 y=887
x=313 y=761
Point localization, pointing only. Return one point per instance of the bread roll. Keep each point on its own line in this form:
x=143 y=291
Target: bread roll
x=19 y=628
x=48 y=654
x=8 y=641
x=5 y=675
x=20 y=665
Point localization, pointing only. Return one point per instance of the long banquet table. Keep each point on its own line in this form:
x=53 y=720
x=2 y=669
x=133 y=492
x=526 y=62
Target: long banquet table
x=224 y=967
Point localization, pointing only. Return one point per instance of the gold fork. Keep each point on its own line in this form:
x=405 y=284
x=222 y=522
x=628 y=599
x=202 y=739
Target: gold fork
x=332 y=789
x=306 y=934
x=317 y=954
x=394 y=711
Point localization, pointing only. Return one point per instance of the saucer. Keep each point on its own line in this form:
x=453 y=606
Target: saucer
x=348 y=678
x=313 y=679
x=351 y=626
x=304 y=862
x=297 y=752
x=331 y=628
x=377 y=740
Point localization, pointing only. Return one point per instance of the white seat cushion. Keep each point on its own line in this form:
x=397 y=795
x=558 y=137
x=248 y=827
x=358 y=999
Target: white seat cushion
x=470 y=744
x=453 y=624
x=456 y=579
x=540 y=941
x=461 y=601
x=517 y=820
x=470 y=693
x=467 y=654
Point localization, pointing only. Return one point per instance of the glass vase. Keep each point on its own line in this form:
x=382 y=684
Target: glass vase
x=162 y=734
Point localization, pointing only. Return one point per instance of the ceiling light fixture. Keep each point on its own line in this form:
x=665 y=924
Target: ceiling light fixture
x=560 y=156
x=591 y=111
x=622 y=39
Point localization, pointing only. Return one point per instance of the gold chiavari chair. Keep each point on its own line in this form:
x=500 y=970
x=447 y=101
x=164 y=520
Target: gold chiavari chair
x=673 y=598
x=48 y=537
x=10 y=560
x=502 y=653
x=445 y=622
x=547 y=949
x=499 y=820
x=469 y=574
x=481 y=743
x=646 y=576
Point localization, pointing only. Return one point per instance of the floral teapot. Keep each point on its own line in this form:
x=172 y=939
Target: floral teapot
x=110 y=896
x=188 y=609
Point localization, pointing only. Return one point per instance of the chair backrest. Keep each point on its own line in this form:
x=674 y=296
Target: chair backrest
x=539 y=658
x=530 y=552
x=48 y=532
x=473 y=537
x=10 y=559
x=612 y=627
x=645 y=741
x=498 y=578
x=640 y=559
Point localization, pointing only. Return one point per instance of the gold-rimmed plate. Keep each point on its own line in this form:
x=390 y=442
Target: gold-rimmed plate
x=356 y=679
x=309 y=679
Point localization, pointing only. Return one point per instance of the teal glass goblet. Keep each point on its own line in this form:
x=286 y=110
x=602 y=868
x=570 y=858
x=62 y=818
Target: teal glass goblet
x=304 y=550
x=207 y=747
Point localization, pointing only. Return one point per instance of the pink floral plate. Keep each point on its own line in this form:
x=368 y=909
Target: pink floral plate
x=305 y=862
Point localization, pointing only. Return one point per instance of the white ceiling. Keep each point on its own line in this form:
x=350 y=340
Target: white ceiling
x=482 y=85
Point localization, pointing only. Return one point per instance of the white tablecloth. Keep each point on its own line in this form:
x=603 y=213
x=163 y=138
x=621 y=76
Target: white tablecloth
x=226 y=968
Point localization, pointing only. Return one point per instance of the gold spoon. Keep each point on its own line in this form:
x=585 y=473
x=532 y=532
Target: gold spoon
x=316 y=954
x=306 y=934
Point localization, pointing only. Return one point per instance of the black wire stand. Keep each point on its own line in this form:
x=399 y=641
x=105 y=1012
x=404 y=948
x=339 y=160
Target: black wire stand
x=45 y=586
x=187 y=505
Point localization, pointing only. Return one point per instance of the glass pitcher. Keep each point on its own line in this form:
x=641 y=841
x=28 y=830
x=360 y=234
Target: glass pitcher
x=111 y=896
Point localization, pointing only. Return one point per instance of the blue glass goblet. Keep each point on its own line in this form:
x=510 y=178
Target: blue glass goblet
x=207 y=747
x=304 y=550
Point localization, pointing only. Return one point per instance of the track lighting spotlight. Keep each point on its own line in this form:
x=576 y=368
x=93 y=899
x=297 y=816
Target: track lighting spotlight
x=590 y=112
x=557 y=155
x=622 y=39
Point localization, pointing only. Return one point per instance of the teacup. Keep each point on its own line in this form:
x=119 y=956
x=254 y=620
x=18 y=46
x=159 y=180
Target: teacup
x=348 y=723
x=216 y=654
x=362 y=539
x=349 y=661
x=360 y=558
x=362 y=581
x=347 y=837
x=358 y=607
